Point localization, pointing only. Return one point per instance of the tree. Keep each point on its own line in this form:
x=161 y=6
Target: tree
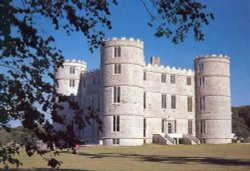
x=175 y=18
x=18 y=135
x=28 y=59
x=241 y=121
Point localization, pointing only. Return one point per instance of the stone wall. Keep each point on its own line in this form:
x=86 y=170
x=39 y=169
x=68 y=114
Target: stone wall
x=130 y=107
x=154 y=88
x=215 y=119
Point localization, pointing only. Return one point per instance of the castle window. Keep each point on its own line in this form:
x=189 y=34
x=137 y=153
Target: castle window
x=164 y=101
x=202 y=81
x=189 y=81
x=116 y=141
x=117 y=51
x=162 y=125
x=163 y=78
x=71 y=83
x=173 y=102
x=172 y=79
x=117 y=68
x=190 y=126
x=202 y=127
x=144 y=127
x=116 y=123
x=189 y=104
x=144 y=76
x=144 y=100
x=72 y=70
x=175 y=126
x=169 y=128
x=116 y=94
x=202 y=103
x=201 y=67
x=199 y=127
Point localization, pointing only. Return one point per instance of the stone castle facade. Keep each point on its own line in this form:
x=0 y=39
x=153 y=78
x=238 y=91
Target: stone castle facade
x=143 y=103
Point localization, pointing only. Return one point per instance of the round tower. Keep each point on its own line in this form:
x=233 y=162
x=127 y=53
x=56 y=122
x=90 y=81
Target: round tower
x=68 y=77
x=122 y=73
x=213 y=101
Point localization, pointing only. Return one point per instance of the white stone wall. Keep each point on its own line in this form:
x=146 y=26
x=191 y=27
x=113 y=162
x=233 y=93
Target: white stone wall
x=130 y=130
x=154 y=88
x=130 y=107
x=217 y=115
x=153 y=127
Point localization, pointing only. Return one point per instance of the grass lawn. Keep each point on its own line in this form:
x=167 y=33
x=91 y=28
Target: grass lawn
x=229 y=157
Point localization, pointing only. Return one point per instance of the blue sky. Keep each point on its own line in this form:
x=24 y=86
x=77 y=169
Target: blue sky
x=227 y=34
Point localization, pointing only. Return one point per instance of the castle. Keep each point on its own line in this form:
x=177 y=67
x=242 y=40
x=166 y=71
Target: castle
x=142 y=103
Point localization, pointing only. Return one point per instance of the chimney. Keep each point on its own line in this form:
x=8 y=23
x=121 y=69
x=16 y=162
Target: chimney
x=155 y=60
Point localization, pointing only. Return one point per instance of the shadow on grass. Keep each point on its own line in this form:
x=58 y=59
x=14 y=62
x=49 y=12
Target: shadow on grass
x=46 y=169
x=172 y=160
x=152 y=158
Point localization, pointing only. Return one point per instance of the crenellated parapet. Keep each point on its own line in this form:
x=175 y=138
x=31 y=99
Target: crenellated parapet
x=123 y=38
x=123 y=41
x=74 y=62
x=212 y=56
x=169 y=69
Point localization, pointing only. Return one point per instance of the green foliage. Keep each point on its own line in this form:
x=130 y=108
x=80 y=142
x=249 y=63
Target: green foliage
x=175 y=18
x=54 y=163
x=28 y=60
x=8 y=153
x=18 y=135
x=241 y=121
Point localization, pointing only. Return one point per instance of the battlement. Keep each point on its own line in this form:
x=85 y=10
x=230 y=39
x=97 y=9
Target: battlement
x=168 y=68
x=131 y=39
x=212 y=56
x=75 y=61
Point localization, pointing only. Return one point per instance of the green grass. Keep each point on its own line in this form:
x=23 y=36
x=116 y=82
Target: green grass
x=230 y=157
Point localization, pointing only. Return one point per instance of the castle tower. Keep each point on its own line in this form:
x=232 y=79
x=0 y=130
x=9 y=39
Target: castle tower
x=122 y=72
x=68 y=77
x=213 y=101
